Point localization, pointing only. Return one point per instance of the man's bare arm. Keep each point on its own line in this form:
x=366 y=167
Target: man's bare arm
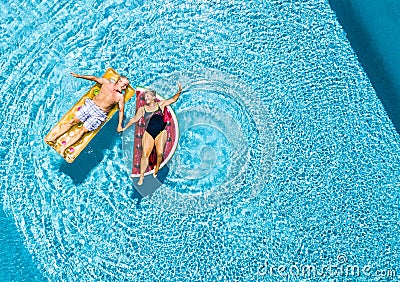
x=121 y=106
x=100 y=80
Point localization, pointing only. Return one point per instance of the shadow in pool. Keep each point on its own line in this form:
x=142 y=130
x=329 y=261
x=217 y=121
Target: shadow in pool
x=93 y=154
x=364 y=43
x=149 y=186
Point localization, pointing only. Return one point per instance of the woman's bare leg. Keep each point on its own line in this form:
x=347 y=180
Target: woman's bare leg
x=147 y=145
x=159 y=142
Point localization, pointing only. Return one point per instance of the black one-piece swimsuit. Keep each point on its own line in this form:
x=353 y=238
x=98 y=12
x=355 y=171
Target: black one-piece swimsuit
x=154 y=122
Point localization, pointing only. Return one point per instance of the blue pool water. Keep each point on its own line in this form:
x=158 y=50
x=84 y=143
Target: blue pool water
x=287 y=157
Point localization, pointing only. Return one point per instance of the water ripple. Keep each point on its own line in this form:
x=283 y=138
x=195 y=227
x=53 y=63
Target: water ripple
x=335 y=143
x=226 y=146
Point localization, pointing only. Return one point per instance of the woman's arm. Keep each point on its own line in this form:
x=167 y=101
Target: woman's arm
x=100 y=80
x=135 y=119
x=174 y=98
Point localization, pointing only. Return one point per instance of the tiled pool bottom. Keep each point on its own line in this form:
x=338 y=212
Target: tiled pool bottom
x=331 y=198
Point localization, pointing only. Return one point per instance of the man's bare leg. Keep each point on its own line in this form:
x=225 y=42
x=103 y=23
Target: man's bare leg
x=64 y=128
x=74 y=139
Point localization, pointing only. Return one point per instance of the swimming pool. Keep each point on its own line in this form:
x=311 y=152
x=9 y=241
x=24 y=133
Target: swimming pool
x=373 y=30
x=287 y=159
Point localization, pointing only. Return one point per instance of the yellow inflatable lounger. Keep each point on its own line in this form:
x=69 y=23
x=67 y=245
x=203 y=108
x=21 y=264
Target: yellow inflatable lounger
x=73 y=151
